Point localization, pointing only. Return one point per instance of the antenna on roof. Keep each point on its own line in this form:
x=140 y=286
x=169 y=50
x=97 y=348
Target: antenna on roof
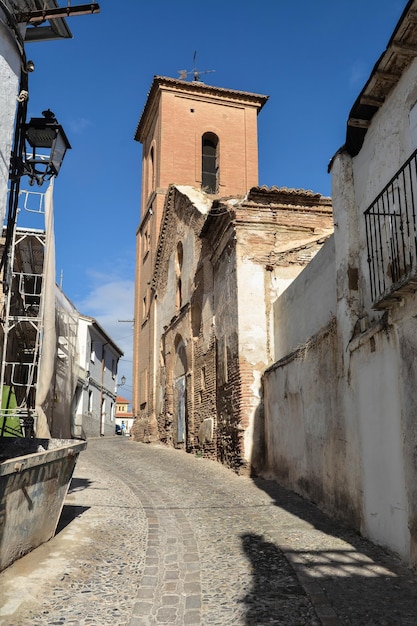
x=195 y=73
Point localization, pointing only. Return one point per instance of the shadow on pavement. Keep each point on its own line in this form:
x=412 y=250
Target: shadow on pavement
x=276 y=596
x=69 y=513
x=310 y=513
x=363 y=583
x=79 y=484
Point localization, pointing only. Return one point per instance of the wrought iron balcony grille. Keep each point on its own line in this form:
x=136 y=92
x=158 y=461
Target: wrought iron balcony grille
x=392 y=238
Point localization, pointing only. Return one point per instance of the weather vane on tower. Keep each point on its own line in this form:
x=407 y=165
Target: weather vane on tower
x=194 y=72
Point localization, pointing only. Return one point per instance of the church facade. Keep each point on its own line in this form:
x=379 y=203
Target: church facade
x=214 y=250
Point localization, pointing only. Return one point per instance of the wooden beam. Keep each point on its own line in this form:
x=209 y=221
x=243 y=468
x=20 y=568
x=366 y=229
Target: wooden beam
x=388 y=76
x=372 y=101
x=352 y=121
x=404 y=49
x=412 y=16
x=35 y=17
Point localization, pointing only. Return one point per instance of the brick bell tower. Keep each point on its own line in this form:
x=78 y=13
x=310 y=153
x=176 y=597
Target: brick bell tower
x=192 y=134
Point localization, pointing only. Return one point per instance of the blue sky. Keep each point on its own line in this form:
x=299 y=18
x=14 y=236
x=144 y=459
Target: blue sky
x=311 y=57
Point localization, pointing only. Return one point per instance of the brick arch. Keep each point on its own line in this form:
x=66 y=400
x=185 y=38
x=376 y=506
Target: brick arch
x=180 y=392
x=180 y=361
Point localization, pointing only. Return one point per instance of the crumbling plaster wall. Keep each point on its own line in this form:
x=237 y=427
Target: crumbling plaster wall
x=255 y=294
x=308 y=442
x=190 y=319
x=204 y=360
x=273 y=245
x=230 y=430
x=306 y=448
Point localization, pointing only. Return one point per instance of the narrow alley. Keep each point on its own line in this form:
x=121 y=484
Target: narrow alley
x=150 y=535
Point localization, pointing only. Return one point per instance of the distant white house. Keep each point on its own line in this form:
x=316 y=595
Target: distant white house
x=124 y=417
x=97 y=380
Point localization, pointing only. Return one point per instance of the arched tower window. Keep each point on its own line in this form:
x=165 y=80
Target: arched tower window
x=151 y=170
x=210 y=163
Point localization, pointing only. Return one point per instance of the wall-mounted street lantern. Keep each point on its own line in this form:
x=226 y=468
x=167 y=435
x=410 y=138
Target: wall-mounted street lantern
x=122 y=381
x=49 y=144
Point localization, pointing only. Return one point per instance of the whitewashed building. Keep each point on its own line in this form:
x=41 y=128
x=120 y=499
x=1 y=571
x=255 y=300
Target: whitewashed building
x=341 y=400
x=97 y=380
x=40 y=359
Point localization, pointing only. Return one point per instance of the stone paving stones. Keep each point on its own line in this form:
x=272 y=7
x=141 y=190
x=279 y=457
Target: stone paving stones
x=153 y=536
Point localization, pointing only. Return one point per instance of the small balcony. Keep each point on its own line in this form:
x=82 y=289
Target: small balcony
x=391 y=235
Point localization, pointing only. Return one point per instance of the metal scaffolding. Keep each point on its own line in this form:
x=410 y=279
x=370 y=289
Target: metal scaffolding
x=21 y=320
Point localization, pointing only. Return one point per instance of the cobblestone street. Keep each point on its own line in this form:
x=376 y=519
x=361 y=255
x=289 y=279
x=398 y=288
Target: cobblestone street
x=150 y=535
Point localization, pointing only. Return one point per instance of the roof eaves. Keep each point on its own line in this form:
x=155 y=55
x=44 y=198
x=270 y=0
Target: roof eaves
x=47 y=30
x=102 y=332
x=286 y=194
x=400 y=51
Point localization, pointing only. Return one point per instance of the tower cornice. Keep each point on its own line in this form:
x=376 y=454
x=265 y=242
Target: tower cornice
x=196 y=89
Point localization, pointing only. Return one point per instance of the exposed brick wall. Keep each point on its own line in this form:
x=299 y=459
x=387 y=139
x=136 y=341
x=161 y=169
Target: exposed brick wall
x=200 y=382
x=229 y=438
x=204 y=395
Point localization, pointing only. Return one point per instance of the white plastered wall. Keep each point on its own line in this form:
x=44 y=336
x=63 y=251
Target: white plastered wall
x=374 y=395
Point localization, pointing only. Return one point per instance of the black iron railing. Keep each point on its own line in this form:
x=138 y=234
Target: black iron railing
x=391 y=225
